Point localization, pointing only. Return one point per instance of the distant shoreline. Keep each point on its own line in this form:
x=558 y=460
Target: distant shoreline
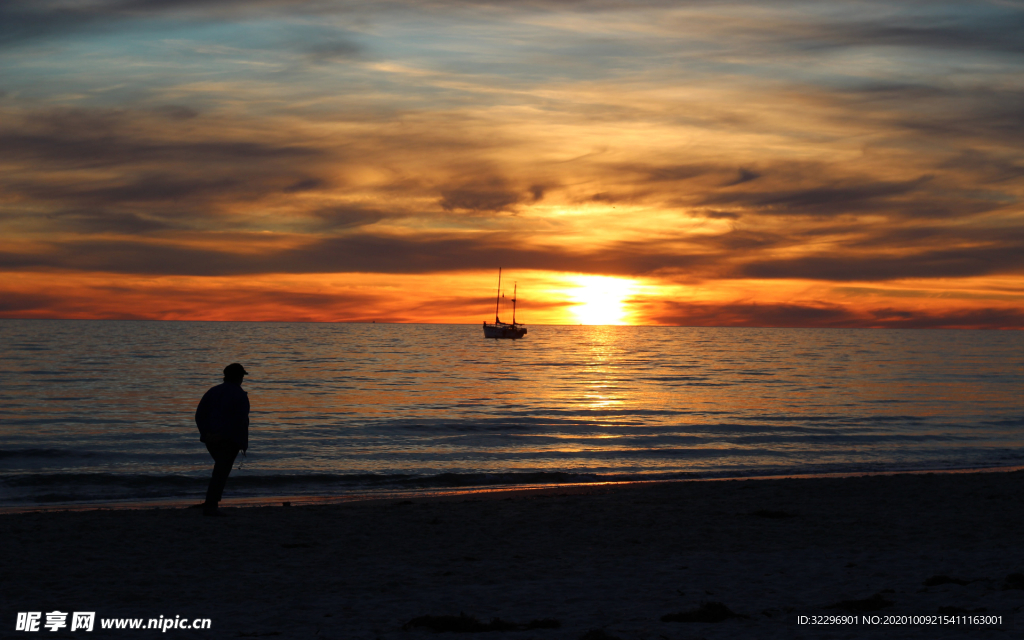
x=484 y=491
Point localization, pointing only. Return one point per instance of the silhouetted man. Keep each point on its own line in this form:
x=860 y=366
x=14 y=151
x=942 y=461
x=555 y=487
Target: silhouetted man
x=223 y=421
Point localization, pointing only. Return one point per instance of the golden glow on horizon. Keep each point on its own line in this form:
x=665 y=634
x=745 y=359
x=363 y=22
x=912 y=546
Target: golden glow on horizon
x=467 y=298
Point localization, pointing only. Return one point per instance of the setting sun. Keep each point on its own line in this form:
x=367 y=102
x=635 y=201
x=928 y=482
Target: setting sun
x=601 y=300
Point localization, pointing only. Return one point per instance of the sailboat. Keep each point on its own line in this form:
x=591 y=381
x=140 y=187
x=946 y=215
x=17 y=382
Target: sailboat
x=501 y=329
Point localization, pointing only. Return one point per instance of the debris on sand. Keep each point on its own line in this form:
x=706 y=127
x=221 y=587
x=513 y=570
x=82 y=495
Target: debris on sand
x=598 y=634
x=1014 y=581
x=952 y=611
x=935 y=581
x=874 y=603
x=468 y=624
x=706 y=612
x=775 y=515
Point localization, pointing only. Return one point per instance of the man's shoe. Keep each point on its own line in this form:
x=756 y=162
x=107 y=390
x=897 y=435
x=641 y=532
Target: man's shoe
x=210 y=509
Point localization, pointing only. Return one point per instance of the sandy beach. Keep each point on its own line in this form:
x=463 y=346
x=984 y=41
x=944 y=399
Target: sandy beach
x=598 y=562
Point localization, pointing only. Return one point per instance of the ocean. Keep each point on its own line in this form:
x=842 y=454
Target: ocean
x=102 y=411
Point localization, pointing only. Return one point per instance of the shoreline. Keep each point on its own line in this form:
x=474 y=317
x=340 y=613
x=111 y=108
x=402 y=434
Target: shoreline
x=481 y=490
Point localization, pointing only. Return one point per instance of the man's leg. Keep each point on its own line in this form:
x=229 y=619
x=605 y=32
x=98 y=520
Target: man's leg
x=224 y=454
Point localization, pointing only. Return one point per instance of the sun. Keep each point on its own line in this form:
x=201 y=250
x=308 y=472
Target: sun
x=601 y=299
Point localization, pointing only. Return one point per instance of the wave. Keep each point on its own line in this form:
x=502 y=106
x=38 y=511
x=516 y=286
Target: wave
x=97 y=487
x=71 y=488
x=42 y=453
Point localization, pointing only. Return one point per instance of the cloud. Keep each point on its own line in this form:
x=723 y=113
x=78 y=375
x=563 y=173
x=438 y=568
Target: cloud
x=821 y=200
x=731 y=255
x=130 y=169
x=14 y=303
x=176 y=112
x=487 y=196
x=755 y=315
x=102 y=222
x=744 y=175
x=27 y=20
x=981 y=30
x=332 y=51
x=347 y=217
x=142 y=301
x=65 y=137
x=987 y=167
x=24 y=21
x=356 y=252
x=948 y=263
x=827 y=315
x=305 y=184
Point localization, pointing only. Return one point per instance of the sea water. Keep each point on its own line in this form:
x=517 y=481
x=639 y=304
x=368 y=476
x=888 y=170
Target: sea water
x=103 y=410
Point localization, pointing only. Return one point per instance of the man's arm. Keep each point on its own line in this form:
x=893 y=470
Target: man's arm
x=203 y=412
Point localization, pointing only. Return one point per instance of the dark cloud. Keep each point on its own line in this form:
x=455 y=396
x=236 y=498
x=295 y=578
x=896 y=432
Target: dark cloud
x=754 y=315
x=359 y=252
x=720 y=215
x=110 y=222
x=948 y=263
x=164 y=302
x=667 y=173
x=825 y=315
x=485 y=196
x=146 y=189
x=324 y=52
x=822 y=200
x=985 y=318
x=739 y=241
x=177 y=112
x=23 y=21
x=276 y=305
x=986 y=166
x=958 y=114
x=144 y=164
x=13 y=303
x=983 y=30
x=337 y=218
x=26 y=20
x=740 y=253
x=744 y=175
x=919 y=238
x=305 y=184
x=998 y=120
x=808 y=190
x=96 y=138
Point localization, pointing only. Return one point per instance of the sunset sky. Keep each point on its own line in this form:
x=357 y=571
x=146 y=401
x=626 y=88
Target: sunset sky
x=818 y=164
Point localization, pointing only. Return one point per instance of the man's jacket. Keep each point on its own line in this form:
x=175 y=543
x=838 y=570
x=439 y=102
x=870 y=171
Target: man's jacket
x=223 y=414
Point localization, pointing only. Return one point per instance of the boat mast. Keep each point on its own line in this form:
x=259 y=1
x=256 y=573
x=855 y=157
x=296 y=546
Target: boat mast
x=497 y=298
x=514 y=289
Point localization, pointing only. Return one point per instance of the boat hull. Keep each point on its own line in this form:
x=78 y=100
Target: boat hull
x=504 y=331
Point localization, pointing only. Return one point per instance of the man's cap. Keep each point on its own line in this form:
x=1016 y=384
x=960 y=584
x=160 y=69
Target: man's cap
x=234 y=370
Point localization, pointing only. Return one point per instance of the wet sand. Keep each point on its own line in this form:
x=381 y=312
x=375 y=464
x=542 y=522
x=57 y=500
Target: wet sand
x=613 y=559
